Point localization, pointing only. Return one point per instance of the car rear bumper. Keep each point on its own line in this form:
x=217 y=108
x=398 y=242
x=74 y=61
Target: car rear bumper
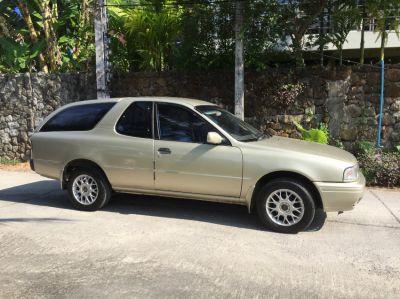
x=341 y=196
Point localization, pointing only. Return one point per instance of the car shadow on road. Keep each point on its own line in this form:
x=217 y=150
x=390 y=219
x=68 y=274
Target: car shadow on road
x=47 y=193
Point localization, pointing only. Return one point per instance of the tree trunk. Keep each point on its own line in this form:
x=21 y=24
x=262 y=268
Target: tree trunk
x=32 y=33
x=83 y=26
x=383 y=40
x=53 y=51
x=239 y=63
x=4 y=30
x=298 y=51
x=362 y=34
x=383 y=37
x=321 y=38
x=341 y=55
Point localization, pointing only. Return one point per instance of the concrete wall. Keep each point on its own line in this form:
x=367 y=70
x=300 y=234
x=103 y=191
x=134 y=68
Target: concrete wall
x=346 y=99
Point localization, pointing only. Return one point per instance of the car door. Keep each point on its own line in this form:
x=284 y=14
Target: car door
x=130 y=152
x=184 y=162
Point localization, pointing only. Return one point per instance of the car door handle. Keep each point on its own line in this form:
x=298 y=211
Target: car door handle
x=164 y=151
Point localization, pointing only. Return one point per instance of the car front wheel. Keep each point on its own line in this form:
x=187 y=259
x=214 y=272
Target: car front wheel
x=285 y=206
x=88 y=189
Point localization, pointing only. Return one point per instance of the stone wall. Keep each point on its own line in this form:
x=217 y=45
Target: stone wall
x=25 y=99
x=346 y=99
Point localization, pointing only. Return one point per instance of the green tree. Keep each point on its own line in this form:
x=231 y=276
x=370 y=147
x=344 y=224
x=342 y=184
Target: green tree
x=345 y=17
x=154 y=31
x=122 y=54
x=51 y=35
x=364 y=19
x=206 y=40
x=261 y=33
x=296 y=19
x=386 y=14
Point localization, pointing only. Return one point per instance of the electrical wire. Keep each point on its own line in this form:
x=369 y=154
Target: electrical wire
x=175 y=3
x=374 y=66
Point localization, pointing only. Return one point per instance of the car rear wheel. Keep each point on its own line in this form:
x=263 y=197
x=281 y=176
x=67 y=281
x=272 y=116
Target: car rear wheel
x=285 y=206
x=88 y=189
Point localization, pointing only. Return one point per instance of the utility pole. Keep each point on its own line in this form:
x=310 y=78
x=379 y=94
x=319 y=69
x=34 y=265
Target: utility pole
x=102 y=64
x=239 y=64
x=382 y=96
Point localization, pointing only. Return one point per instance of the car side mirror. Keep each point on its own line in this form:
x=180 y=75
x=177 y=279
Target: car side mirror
x=214 y=138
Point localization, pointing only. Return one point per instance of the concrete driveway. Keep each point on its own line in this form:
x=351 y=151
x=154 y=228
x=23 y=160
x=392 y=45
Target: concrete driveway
x=148 y=247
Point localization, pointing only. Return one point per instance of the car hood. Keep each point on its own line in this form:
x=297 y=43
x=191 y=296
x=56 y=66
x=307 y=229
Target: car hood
x=299 y=146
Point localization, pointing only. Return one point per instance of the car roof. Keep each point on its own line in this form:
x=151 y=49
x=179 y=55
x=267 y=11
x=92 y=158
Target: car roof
x=174 y=100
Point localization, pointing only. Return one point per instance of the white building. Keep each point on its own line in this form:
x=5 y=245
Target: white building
x=372 y=45
x=352 y=45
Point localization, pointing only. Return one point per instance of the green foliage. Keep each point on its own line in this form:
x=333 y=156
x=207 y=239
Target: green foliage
x=154 y=33
x=346 y=16
x=12 y=162
x=320 y=135
x=206 y=40
x=337 y=143
x=203 y=37
x=397 y=148
x=71 y=24
x=75 y=34
x=381 y=168
x=363 y=148
x=123 y=55
x=384 y=13
x=13 y=56
x=296 y=17
x=285 y=94
x=160 y=35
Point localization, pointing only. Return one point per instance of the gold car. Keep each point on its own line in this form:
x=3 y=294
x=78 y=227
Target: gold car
x=193 y=149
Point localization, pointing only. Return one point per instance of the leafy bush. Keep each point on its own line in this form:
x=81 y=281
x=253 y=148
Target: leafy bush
x=285 y=94
x=363 y=147
x=381 y=168
x=154 y=34
x=336 y=142
x=320 y=135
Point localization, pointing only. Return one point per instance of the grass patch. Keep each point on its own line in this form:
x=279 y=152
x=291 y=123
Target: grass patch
x=5 y=161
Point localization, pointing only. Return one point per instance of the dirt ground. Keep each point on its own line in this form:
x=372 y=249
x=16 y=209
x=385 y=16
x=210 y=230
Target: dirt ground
x=15 y=167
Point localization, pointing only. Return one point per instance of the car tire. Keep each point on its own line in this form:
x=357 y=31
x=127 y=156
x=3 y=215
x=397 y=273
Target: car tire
x=88 y=189
x=285 y=206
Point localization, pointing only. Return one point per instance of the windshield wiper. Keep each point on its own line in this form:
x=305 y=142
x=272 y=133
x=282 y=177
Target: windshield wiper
x=258 y=138
x=250 y=139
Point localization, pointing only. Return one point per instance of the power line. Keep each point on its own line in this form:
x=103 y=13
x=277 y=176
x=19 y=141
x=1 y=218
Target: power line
x=174 y=4
x=351 y=61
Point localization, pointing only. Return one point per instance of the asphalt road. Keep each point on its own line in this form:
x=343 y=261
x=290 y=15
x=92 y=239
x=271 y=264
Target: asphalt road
x=150 y=247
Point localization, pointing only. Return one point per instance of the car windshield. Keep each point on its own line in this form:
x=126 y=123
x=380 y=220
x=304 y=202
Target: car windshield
x=237 y=128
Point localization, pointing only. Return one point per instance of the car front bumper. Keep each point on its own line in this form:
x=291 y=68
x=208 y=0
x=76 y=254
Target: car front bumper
x=341 y=196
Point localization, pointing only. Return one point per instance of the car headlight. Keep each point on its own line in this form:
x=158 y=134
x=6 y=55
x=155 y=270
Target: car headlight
x=350 y=174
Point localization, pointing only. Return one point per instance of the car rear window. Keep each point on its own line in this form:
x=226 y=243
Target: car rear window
x=136 y=121
x=77 y=118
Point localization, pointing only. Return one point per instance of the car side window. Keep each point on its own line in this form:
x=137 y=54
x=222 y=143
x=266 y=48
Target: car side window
x=77 y=118
x=136 y=121
x=179 y=124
